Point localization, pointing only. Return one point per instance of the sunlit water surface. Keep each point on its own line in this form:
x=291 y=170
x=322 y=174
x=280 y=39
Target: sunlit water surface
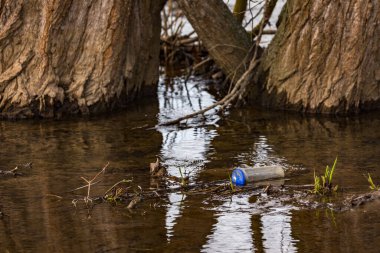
x=37 y=220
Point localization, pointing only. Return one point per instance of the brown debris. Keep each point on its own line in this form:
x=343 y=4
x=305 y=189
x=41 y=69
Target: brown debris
x=134 y=202
x=154 y=166
x=356 y=201
x=156 y=170
x=16 y=171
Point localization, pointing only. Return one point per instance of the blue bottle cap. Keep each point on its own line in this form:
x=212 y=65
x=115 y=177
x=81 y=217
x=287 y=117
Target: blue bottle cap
x=238 y=177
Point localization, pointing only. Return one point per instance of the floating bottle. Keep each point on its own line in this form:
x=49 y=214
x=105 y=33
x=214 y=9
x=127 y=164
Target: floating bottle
x=243 y=175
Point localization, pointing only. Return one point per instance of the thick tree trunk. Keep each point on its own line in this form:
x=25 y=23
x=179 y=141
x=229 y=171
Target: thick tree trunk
x=70 y=56
x=225 y=39
x=325 y=57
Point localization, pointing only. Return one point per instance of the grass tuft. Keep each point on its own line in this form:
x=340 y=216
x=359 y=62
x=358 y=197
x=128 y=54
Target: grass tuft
x=324 y=184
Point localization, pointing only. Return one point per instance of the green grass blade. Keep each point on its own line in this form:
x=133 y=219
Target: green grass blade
x=372 y=185
x=327 y=172
x=332 y=170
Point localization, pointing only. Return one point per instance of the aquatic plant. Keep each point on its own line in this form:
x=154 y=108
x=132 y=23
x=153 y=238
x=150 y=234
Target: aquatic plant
x=317 y=184
x=114 y=193
x=372 y=185
x=327 y=178
x=324 y=184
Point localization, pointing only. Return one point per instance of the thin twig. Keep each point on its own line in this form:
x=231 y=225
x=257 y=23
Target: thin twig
x=84 y=186
x=53 y=195
x=268 y=10
x=89 y=183
x=116 y=184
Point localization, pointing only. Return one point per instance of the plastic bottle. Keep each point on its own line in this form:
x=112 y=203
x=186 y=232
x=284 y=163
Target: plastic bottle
x=243 y=175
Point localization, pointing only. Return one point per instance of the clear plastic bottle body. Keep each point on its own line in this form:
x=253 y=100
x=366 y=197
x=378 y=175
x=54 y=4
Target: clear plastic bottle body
x=243 y=175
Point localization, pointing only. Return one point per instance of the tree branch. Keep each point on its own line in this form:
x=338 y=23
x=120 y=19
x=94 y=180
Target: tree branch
x=268 y=10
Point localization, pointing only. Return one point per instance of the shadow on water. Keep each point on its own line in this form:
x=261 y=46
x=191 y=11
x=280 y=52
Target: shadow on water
x=207 y=148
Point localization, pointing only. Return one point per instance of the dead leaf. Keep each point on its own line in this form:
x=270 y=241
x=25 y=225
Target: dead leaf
x=154 y=167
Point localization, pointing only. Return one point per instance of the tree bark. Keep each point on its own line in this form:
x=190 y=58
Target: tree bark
x=225 y=39
x=325 y=58
x=66 y=56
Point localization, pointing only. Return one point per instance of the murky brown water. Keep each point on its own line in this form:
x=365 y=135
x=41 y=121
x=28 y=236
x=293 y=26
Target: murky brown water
x=63 y=151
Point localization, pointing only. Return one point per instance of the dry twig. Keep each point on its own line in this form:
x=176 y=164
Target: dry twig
x=89 y=183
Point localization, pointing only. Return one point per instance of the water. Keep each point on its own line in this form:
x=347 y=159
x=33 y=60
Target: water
x=64 y=151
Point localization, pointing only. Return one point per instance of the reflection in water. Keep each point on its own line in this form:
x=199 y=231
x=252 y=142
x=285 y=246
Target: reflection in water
x=178 y=98
x=276 y=230
x=173 y=212
x=261 y=154
x=232 y=232
x=236 y=230
x=184 y=149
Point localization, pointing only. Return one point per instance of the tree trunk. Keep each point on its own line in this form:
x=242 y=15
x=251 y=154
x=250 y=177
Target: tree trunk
x=73 y=57
x=325 y=57
x=225 y=39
